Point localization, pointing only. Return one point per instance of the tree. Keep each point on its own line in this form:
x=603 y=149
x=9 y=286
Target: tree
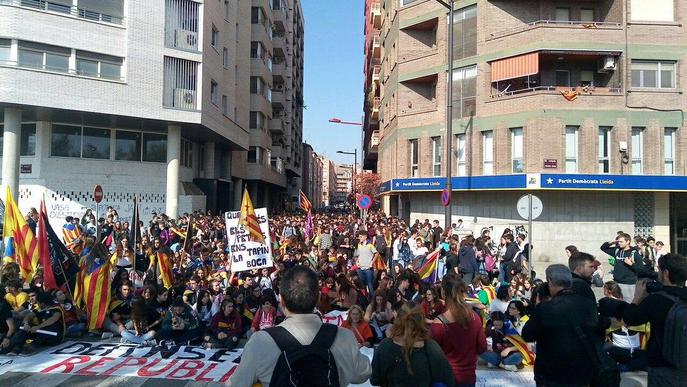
x=368 y=183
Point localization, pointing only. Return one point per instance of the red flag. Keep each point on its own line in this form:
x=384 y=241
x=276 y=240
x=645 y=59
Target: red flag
x=44 y=255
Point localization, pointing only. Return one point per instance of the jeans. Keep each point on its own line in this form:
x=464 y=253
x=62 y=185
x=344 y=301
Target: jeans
x=180 y=337
x=495 y=358
x=131 y=336
x=467 y=278
x=111 y=326
x=367 y=276
x=75 y=330
x=502 y=272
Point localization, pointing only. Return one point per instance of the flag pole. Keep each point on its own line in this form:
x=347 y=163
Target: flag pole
x=134 y=226
x=64 y=275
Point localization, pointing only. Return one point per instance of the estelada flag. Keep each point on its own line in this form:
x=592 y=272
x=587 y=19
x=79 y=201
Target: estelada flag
x=44 y=253
x=21 y=246
x=306 y=205
x=93 y=288
x=250 y=220
x=164 y=261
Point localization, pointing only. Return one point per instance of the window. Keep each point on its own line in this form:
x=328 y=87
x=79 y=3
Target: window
x=562 y=14
x=653 y=74
x=127 y=145
x=186 y=158
x=604 y=149
x=225 y=105
x=98 y=65
x=214 y=38
x=181 y=24
x=155 y=147
x=668 y=150
x=96 y=143
x=5 y=48
x=252 y=154
x=563 y=78
x=257 y=16
x=464 y=91
x=587 y=78
x=28 y=140
x=227 y=10
x=214 y=92
x=460 y=154
x=517 y=150
x=587 y=15
x=465 y=32
x=257 y=120
x=65 y=141
x=436 y=156
x=43 y=56
x=257 y=50
x=180 y=77
x=406 y=2
x=637 y=150
x=225 y=57
x=571 y=148
x=414 y=158
x=488 y=152
x=653 y=10
x=257 y=85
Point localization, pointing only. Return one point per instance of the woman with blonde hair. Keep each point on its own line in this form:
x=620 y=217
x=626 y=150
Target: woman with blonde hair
x=458 y=331
x=409 y=357
x=360 y=328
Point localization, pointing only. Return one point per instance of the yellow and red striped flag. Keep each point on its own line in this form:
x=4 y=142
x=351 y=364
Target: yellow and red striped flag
x=164 y=262
x=21 y=246
x=523 y=348
x=306 y=205
x=249 y=220
x=95 y=292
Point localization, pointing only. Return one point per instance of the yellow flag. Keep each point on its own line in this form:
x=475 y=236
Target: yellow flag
x=249 y=220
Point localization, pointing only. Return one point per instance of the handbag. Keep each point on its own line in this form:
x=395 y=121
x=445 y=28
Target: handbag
x=606 y=373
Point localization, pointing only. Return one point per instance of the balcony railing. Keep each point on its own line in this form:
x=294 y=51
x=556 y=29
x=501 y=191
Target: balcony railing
x=376 y=103
x=376 y=15
x=60 y=70
x=376 y=70
x=76 y=11
x=553 y=23
x=374 y=139
x=582 y=90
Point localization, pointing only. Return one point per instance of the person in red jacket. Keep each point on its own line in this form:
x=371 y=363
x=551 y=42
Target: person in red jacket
x=225 y=327
x=458 y=331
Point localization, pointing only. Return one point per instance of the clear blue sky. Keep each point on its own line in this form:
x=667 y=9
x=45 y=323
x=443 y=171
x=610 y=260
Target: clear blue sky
x=334 y=59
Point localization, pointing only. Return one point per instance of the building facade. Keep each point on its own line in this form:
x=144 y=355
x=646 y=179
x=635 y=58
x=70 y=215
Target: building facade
x=148 y=99
x=328 y=181
x=372 y=69
x=578 y=102
x=344 y=183
x=312 y=176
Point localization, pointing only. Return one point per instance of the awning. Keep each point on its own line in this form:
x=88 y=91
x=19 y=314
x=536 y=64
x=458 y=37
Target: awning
x=515 y=67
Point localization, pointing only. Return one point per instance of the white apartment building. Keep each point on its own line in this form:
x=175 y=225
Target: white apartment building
x=145 y=98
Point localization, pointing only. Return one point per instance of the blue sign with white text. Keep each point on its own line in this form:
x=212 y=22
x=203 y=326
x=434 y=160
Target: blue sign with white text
x=614 y=182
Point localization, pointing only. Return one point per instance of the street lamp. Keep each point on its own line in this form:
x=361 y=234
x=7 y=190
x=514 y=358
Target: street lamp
x=449 y=107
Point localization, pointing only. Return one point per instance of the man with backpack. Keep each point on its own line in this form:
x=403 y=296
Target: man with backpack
x=664 y=305
x=302 y=350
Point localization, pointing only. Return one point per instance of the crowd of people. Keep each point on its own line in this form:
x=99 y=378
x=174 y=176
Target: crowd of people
x=478 y=304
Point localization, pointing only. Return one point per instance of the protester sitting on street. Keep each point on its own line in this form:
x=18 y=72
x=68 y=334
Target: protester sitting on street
x=360 y=328
x=45 y=326
x=16 y=298
x=516 y=315
x=9 y=340
x=144 y=322
x=378 y=314
x=346 y=294
x=612 y=290
x=458 y=331
x=119 y=317
x=180 y=325
x=73 y=315
x=623 y=343
x=225 y=329
x=500 y=303
x=298 y=298
x=500 y=352
x=203 y=308
x=409 y=356
x=564 y=329
x=663 y=308
x=432 y=305
x=266 y=316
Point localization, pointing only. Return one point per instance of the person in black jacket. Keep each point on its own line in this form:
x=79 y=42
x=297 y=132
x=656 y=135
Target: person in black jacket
x=582 y=266
x=468 y=259
x=562 y=355
x=627 y=264
x=653 y=308
x=508 y=261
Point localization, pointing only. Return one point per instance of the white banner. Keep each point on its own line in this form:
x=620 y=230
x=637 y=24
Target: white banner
x=246 y=254
x=177 y=363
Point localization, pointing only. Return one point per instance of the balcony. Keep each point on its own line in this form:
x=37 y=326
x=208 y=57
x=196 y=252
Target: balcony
x=374 y=140
x=555 y=24
x=376 y=15
x=376 y=104
x=376 y=70
x=279 y=15
x=277 y=100
x=98 y=11
x=277 y=126
x=377 y=47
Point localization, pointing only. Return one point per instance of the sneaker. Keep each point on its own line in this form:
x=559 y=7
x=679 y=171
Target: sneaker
x=106 y=335
x=150 y=343
x=489 y=365
x=509 y=367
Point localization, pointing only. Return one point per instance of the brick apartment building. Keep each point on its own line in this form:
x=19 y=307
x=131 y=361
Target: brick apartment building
x=578 y=102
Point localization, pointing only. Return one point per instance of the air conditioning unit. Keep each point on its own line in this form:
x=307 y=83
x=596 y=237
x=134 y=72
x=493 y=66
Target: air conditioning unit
x=186 y=39
x=607 y=63
x=184 y=98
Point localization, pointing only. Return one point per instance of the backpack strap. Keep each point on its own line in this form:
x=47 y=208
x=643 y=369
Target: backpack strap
x=443 y=319
x=285 y=340
x=325 y=336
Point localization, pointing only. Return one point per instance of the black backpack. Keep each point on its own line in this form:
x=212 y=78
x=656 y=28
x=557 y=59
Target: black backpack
x=300 y=365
